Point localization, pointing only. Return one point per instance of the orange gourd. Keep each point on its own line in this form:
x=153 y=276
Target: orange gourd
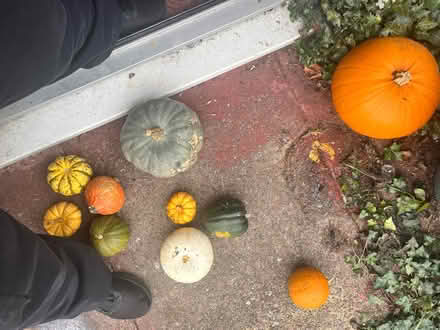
x=386 y=87
x=62 y=219
x=308 y=288
x=104 y=195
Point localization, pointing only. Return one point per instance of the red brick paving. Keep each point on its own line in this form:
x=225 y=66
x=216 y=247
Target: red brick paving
x=247 y=107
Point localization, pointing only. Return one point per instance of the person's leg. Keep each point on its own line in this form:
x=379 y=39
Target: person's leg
x=102 y=36
x=31 y=38
x=46 y=40
x=135 y=16
x=45 y=278
x=139 y=14
x=114 y=19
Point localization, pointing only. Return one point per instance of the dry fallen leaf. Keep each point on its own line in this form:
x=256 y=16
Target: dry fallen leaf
x=313 y=71
x=323 y=147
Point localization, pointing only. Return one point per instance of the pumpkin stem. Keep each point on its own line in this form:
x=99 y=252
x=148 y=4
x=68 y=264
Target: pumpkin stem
x=93 y=210
x=402 y=78
x=156 y=133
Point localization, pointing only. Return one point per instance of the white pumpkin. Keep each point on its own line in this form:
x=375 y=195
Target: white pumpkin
x=187 y=255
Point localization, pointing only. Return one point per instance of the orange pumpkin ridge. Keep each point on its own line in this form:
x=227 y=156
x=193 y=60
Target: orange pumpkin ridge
x=386 y=88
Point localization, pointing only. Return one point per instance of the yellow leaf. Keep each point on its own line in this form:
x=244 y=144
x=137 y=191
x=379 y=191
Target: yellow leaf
x=324 y=147
x=328 y=149
x=389 y=224
x=314 y=155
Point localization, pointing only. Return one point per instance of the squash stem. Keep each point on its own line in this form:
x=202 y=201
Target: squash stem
x=402 y=78
x=93 y=210
x=156 y=133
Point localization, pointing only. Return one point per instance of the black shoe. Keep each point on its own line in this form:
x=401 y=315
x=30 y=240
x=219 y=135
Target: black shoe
x=139 y=14
x=129 y=299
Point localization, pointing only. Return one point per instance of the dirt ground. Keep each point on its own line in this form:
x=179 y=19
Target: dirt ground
x=260 y=122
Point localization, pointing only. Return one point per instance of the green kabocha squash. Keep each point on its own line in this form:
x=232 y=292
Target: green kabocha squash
x=109 y=235
x=226 y=218
x=162 y=137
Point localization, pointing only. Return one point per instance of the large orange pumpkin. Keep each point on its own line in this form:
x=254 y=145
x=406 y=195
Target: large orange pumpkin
x=387 y=87
x=104 y=195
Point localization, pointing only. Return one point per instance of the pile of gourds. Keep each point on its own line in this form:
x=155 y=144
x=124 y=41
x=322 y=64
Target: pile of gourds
x=187 y=255
x=71 y=175
x=385 y=88
x=162 y=138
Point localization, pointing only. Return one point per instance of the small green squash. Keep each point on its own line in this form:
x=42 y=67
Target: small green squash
x=162 y=137
x=109 y=235
x=226 y=218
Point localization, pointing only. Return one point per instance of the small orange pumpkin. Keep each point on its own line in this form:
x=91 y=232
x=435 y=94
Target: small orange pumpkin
x=386 y=87
x=308 y=288
x=104 y=195
x=62 y=219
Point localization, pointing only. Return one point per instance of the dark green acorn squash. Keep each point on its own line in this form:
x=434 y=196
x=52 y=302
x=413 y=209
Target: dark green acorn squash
x=226 y=218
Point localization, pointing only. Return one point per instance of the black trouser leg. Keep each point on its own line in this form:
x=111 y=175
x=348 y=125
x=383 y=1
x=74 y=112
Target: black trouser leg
x=45 y=40
x=44 y=278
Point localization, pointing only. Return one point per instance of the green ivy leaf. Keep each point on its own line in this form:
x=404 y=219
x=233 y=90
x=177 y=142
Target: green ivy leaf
x=432 y=4
x=405 y=303
x=409 y=269
x=393 y=152
x=407 y=204
x=428 y=288
x=371 y=259
x=421 y=252
x=372 y=223
x=412 y=244
x=420 y=194
x=426 y=24
x=429 y=239
x=399 y=183
x=388 y=282
x=364 y=214
x=411 y=223
x=370 y=207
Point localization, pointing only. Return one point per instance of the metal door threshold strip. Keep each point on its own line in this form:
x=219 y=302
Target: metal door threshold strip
x=161 y=63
